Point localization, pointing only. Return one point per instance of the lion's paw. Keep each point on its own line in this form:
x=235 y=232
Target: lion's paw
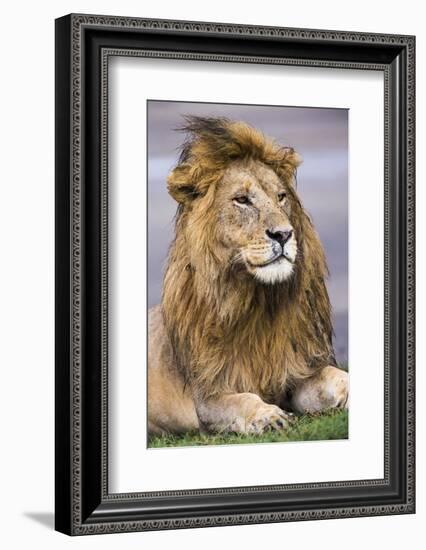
x=268 y=417
x=328 y=390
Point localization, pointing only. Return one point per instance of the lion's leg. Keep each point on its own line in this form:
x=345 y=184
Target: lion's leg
x=240 y=413
x=326 y=390
x=171 y=408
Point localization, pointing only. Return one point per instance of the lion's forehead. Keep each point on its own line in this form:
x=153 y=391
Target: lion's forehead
x=252 y=175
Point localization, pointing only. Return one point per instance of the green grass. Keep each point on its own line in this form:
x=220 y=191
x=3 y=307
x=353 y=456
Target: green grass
x=327 y=425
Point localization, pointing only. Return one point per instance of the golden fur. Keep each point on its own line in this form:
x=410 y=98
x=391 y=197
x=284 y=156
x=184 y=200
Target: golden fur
x=230 y=332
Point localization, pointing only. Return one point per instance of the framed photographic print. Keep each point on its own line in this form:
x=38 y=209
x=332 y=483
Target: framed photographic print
x=234 y=274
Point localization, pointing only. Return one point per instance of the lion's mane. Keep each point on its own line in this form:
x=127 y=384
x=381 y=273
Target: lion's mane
x=231 y=333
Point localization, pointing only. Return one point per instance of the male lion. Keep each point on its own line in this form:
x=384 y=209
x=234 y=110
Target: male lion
x=244 y=328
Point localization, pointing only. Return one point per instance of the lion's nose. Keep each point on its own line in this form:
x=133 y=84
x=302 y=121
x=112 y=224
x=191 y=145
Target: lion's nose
x=281 y=236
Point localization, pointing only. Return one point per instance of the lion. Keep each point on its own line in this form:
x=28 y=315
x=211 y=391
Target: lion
x=242 y=339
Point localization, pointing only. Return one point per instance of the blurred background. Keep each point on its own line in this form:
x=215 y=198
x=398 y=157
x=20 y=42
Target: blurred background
x=319 y=135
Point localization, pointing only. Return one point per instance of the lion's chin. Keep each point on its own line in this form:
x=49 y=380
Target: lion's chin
x=273 y=273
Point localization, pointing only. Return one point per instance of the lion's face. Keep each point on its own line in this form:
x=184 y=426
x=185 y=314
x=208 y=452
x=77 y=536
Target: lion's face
x=253 y=221
x=235 y=188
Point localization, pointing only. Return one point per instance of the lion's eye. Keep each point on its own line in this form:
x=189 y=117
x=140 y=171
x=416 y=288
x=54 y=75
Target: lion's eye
x=242 y=199
x=281 y=197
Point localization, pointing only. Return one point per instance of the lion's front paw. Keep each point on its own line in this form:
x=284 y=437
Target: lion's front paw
x=328 y=390
x=268 y=417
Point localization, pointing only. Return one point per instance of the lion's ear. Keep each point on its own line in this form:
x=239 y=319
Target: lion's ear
x=288 y=164
x=180 y=185
x=292 y=158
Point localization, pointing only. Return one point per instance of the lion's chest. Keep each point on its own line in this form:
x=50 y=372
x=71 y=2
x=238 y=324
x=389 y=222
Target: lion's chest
x=250 y=362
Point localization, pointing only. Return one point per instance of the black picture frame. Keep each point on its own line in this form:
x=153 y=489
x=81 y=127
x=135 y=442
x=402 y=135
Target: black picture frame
x=83 y=45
